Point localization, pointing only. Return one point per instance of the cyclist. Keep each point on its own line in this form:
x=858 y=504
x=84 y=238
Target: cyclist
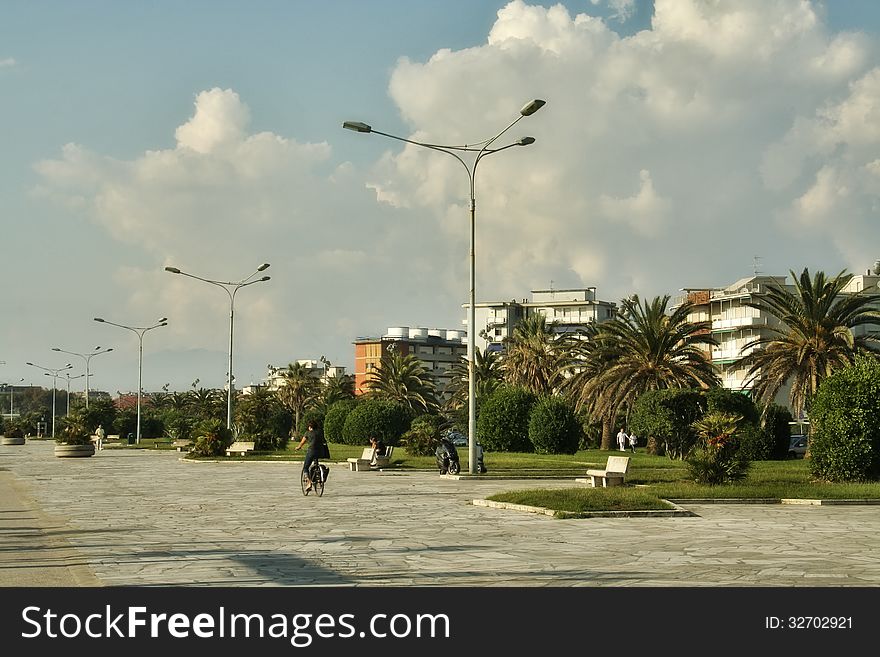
x=314 y=439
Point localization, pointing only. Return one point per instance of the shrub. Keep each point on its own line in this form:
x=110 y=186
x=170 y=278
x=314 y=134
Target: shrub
x=423 y=436
x=776 y=423
x=2 y=426
x=755 y=443
x=717 y=458
x=179 y=425
x=845 y=421
x=727 y=401
x=13 y=429
x=553 y=427
x=212 y=438
x=503 y=425
x=314 y=415
x=334 y=420
x=263 y=418
x=665 y=419
x=384 y=419
x=74 y=430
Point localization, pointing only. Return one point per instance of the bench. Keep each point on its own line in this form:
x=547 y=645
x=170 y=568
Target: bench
x=240 y=448
x=370 y=461
x=363 y=463
x=612 y=475
x=182 y=445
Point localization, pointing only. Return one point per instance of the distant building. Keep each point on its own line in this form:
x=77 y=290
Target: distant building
x=319 y=369
x=438 y=350
x=570 y=309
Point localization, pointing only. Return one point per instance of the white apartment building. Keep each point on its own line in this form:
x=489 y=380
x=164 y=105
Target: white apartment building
x=318 y=369
x=571 y=309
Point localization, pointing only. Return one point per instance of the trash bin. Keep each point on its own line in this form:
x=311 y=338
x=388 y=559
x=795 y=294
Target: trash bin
x=131 y=439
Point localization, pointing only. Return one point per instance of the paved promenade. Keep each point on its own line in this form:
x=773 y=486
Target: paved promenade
x=134 y=517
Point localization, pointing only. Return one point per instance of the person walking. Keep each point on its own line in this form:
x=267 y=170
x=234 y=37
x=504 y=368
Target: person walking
x=621 y=439
x=99 y=432
x=633 y=441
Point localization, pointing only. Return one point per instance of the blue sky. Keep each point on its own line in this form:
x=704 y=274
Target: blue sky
x=637 y=156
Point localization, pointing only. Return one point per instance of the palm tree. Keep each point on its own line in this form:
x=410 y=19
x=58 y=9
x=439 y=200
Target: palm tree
x=298 y=390
x=487 y=378
x=337 y=388
x=206 y=402
x=534 y=357
x=814 y=337
x=643 y=348
x=403 y=378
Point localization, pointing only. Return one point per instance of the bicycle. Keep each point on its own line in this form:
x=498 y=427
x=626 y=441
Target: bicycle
x=318 y=474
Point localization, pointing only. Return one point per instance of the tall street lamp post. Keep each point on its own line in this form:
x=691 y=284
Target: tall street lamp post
x=230 y=288
x=11 y=387
x=481 y=149
x=69 y=379
x=86 y=357
x=139 y=332
x=54 y=374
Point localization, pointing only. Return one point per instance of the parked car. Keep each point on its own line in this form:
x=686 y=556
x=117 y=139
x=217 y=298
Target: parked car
x=798 y=447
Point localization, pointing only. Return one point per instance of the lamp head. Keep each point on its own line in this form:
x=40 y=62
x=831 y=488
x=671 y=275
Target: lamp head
x=532 y=107
x=263 y=267
x=266 y=278
x=163 y=319
x=525 y=141
x=357 y=126
x=29 y=363
x=98 y=319
x=173 y=270
x=55 y=349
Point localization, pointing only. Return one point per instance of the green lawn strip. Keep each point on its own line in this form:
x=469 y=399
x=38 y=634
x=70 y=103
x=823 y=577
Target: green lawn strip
x=581 y=500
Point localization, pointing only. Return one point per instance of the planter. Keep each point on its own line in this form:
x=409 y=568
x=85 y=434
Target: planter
x=11 y=440
x=74 y=451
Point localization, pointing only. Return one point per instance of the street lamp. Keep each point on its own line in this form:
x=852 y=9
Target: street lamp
x=54 y=374
x=69 y=379
x=86 y=357
x=231 y=288
x=11 y=387
x=138 y=331
x=481 y=149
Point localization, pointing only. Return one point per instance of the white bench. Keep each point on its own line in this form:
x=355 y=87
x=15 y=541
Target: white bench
x=240 y=448
x=612 y=475
x=382 y=460
x=182 y=445
x=363 y=463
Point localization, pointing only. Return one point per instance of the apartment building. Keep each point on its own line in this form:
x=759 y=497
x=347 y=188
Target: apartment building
x=438 y=350
x=319 y=369
x=571 y=309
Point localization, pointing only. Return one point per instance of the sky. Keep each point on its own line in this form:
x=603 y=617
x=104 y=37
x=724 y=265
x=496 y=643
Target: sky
x=683 y=143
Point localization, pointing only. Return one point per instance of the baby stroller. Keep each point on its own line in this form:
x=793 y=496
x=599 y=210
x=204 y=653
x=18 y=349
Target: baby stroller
x=447 y=457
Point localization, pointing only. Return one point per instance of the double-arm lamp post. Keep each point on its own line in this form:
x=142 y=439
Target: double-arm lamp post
x=481 y=149
x=139 y=332
x=86 y=357
x=69 y=379
x=54 y=374
x=231 y=288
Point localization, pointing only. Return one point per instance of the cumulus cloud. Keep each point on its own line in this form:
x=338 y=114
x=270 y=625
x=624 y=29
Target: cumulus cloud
x=665 y=159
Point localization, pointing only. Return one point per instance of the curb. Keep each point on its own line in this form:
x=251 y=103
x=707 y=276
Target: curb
x=677 y=512
x=775 y=500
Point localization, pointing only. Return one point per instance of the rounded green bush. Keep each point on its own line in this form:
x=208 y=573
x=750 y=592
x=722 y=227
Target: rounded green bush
x=423 y=436
x=386 y=420
x=845 y=421
x=212 y=438
x=334 y=420
x=553 y=427
x=503 y=425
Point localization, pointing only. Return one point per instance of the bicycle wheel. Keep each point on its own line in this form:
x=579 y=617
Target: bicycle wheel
x=318 y=480
x=305 y=483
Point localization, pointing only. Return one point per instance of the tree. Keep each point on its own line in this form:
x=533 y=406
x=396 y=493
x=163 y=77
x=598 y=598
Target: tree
x=337 y=388
x=814 y=338
x=403 y=379
x=503 y=425
x=643 y=348
x=299 y=389
x=487 y=378
x=206 y=403
x=533 y=356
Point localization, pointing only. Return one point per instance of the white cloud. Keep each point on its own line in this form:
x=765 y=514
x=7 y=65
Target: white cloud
x=7 y=62
x=665 y=159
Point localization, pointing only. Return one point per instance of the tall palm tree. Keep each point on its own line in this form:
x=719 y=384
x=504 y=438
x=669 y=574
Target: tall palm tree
x=487 y=378
x=403 y=378
x=643 y=348
x=534 y=357
x=298 y=390
x=814 y=337
x=206 y=402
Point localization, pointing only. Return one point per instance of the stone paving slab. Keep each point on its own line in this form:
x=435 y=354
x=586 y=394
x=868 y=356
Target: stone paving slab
x=142 y=518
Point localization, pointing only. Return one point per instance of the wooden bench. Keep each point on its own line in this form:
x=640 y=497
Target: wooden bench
x=363 y=463
x=612 y=475
x=240 y=448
